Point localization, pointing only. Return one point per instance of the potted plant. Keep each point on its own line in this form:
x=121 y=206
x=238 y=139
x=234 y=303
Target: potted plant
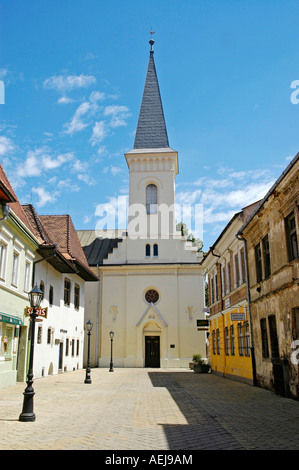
x=200 y=366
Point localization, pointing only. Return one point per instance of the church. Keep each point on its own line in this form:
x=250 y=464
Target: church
x=150 y=291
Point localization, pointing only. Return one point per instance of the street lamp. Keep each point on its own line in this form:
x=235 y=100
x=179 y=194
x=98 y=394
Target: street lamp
x=111 y=334
x=35 y=298
x=89 y=326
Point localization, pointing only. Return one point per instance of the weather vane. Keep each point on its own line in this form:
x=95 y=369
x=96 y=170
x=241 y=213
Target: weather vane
x=151 y=40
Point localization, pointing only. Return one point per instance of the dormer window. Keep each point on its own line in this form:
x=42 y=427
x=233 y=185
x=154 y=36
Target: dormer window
x=151 y=199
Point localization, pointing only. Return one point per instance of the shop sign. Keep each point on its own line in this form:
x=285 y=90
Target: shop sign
x=41 y=312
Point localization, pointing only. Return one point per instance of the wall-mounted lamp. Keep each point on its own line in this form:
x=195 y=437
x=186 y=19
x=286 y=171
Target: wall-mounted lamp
x=5 y=211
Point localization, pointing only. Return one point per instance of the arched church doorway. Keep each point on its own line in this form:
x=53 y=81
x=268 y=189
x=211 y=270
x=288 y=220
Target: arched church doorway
x=152 y=351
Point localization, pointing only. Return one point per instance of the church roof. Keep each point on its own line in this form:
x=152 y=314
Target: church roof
x=151 y=128
x=96 y=248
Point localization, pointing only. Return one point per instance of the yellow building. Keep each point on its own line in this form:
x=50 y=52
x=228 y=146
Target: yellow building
x=230 y=345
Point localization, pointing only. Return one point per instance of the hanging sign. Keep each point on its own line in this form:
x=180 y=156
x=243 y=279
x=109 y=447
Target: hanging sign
x=41 y=312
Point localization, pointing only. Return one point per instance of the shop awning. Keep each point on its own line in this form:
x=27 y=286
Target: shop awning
x=10 y=319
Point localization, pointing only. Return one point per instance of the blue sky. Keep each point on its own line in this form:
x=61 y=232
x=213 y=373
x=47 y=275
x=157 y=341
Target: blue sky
x=74 y=73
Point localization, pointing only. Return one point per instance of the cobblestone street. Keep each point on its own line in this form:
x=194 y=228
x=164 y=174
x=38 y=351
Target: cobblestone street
x=148 y=409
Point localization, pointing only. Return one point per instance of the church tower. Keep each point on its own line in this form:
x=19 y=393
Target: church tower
x=153 y=167
x=151 y=288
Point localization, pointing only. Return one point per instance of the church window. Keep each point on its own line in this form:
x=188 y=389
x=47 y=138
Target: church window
x=156 y=250
x=151 y=199
x=147 y=250
x=152 y=296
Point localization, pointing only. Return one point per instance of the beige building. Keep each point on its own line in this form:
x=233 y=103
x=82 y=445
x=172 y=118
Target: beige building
x=271 y=235
x=151 y=285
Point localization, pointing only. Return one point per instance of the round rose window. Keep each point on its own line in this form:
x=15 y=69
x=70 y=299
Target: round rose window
x=152 y=296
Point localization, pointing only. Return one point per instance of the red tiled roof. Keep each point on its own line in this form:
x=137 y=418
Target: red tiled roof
x=62 y=231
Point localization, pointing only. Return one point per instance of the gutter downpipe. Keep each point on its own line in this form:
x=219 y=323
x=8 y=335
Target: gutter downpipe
x=249 y=309
x=98 y=320
x=38 y=261
x=222 y=315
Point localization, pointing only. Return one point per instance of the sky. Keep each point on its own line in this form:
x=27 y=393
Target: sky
x=73 y=75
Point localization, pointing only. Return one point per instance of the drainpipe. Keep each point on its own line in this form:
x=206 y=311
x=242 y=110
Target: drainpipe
x=42 y=259
x=98 y=319
x=249 y=309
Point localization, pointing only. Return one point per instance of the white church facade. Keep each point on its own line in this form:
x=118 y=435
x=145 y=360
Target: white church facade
x=151 y=284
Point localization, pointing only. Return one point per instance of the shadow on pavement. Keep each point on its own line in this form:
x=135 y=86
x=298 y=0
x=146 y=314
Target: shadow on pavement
x=202 y=432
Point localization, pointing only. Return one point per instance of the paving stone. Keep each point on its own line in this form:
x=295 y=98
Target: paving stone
x=148 y=409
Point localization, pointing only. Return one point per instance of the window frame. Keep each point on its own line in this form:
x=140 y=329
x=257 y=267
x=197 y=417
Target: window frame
x=264 y=338
x=232 y=339
x=76 y=296
x=258 y=262
x=151 y=199
x=266 y=256
x=67 y=291
x=15 y=270
x=291 y=236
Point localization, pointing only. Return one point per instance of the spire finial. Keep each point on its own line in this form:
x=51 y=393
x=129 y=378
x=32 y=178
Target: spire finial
x=152 y=42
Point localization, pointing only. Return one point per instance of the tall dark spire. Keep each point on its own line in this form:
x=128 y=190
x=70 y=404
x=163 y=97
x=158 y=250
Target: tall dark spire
x=151 y=128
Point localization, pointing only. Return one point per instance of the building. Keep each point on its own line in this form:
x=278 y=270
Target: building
x=17 y=253
x=151 y=288
x=61 y=271
x=42 y=250
x=230 y=351
x=271 y=237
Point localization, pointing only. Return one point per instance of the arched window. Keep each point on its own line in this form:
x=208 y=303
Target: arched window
x=155 y=250
x=151 y=199
x=147 y=250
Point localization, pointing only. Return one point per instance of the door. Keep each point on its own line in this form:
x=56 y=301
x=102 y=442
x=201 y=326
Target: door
x=152 y=351
x=60 y=356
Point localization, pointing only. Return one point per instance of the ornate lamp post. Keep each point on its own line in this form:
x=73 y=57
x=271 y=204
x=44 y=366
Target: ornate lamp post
x=89 y=326
x=111 y=334
x=35 y=297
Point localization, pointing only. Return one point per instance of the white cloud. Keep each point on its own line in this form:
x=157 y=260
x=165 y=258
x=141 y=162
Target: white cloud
x=86 y=110
x=99 y=132
x=49 y=163
x=64 y=83
x=118 y=115
x=80 y=166
x=223 y=196
x=115 y=170
x=64 y=100
x=86 y=179
x=39 y=160
x=6 y=145
x=96 y=96
x=76 y=124
x=45 y=197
